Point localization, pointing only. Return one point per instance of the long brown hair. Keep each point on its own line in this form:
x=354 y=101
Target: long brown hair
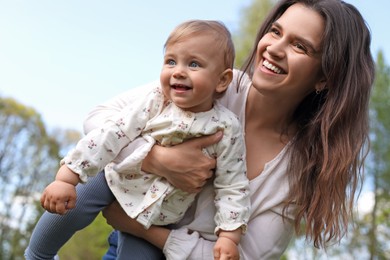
x=328 y=151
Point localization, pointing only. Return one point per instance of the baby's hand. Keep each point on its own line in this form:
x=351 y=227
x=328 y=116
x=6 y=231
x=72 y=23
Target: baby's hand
x=59 y=197
x=225 y=248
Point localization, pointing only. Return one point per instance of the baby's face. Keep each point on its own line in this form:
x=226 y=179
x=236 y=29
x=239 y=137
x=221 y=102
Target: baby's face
x=191 y=72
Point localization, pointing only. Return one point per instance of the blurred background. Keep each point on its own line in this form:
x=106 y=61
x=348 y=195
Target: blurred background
x=59 y=59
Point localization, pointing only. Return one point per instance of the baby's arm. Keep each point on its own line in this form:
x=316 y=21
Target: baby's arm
x=232 y=199
x=226 y=245
x=60 y=195
x=231 y=184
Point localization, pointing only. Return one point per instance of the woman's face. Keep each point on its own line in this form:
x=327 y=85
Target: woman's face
x=288 y=59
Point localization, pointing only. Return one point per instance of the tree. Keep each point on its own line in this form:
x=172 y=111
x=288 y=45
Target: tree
x=379 y=166
x=252 y=17
x=29 y=159
x=27 y=156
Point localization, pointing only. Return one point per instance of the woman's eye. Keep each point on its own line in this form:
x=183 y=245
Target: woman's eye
x=300 y=47
x=274 y=31
x=194 y=64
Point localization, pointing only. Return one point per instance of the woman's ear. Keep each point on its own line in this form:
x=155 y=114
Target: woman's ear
x=320 y=86
x=224 y=80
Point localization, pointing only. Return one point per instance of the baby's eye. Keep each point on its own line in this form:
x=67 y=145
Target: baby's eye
x=194 y=64
x=171 y=62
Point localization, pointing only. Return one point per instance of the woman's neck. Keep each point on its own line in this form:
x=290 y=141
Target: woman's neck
x=267 y=114
x=267 y=131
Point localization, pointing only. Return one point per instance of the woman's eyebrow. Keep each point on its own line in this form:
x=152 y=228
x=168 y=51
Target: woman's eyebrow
x=306 y=42
x=308 y=45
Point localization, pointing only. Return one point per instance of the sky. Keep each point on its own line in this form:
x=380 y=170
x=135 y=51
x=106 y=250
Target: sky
x=62 y=58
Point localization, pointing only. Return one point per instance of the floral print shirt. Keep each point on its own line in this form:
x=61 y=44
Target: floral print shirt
x=149 y=198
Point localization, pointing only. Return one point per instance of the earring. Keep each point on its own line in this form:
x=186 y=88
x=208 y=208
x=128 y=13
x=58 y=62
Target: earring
x=318 y=91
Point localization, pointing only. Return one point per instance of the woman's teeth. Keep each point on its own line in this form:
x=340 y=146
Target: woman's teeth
x=271 y=67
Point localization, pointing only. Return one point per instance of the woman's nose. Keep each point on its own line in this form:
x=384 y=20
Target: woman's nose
x=277 y=49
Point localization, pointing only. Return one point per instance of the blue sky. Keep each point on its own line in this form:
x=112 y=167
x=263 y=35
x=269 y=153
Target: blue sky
x=64 y=57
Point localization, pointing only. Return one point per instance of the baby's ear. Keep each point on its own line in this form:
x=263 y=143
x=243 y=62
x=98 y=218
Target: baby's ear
x=224 y=80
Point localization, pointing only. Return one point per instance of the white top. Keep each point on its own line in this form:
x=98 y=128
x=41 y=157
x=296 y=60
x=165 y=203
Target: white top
x=268 y=234
x=150 y=198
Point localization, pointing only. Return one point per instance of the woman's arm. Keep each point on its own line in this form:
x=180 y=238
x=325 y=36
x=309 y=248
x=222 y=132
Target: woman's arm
x=267 y=237
x=117 y=218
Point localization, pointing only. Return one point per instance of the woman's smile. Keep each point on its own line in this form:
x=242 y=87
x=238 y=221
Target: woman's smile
x=272 y=67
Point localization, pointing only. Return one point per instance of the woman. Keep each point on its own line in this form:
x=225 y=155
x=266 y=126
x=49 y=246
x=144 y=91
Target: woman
x=303 y=101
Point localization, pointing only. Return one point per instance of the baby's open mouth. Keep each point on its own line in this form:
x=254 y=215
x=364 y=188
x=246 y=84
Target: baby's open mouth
x=180 y=87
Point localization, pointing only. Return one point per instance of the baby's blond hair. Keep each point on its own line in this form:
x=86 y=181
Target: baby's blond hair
x=194 y=27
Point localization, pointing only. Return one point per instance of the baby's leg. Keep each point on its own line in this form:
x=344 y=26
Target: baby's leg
x=52 y=230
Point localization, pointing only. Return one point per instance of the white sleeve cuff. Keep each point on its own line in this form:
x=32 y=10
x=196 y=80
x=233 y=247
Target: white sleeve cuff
x=180 y=244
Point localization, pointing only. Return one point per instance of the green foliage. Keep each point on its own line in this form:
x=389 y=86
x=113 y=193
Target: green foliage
x=89 y=243
x=380 y=122
x=28 y=157
x=379 y=165
x=244 y=39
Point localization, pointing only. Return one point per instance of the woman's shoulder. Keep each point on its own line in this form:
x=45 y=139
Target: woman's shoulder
x=239 y=85
x=226 y=116
x=239 y=75
x=236 y=94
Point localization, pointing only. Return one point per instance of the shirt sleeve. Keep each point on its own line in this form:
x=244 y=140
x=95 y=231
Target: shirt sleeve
x=103 y=112
x=231 y=184
x=111 y=108
x=101 y=145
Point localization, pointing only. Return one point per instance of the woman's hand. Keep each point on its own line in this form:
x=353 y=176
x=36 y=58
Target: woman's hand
x=118 y=219
x=185 y=166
